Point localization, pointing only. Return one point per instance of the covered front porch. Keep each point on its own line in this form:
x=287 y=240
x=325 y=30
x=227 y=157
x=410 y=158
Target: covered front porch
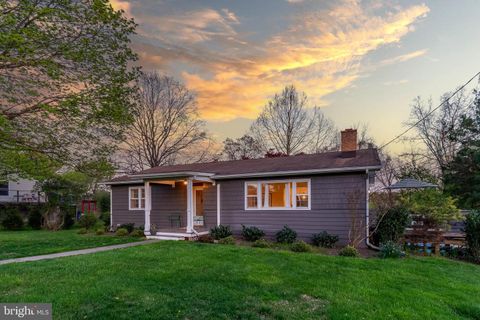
x=181 y=207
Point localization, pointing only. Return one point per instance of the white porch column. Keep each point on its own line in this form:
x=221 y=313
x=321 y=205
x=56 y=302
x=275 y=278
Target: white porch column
x=218 y=204
x=189 y=205
x=148 y=207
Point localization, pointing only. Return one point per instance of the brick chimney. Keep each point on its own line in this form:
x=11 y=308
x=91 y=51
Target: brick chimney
x=348 y=140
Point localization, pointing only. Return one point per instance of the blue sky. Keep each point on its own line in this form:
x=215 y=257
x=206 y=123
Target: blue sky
x=360 y=61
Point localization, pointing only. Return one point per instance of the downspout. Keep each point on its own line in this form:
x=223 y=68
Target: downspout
x=367 y=214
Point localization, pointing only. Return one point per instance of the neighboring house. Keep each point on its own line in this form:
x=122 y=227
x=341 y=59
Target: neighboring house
x=309 y=193
x=18 y=190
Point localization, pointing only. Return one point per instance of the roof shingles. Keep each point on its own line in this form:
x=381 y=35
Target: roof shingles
x=320 y=161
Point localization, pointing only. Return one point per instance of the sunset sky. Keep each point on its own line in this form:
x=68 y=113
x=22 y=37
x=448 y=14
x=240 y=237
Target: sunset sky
x=361 y=61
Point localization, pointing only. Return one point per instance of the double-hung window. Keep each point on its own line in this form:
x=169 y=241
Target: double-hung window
x=274 y=194
x=136 y=198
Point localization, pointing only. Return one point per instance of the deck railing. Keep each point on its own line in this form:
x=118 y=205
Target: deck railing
x=22 y=196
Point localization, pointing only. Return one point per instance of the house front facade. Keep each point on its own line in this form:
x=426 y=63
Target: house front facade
x=14 y=189
x=309 y=193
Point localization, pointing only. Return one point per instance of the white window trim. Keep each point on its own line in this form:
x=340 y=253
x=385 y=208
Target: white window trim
x=140 y=193
x=294 y=200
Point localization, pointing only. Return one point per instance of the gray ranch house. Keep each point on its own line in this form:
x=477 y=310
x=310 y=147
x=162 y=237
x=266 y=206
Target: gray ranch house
x=309 y=193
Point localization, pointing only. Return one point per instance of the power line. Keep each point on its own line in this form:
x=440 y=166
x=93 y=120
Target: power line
x=432 y=111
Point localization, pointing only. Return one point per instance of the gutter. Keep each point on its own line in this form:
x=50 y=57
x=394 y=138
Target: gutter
x=367 y=214
x=294 y=173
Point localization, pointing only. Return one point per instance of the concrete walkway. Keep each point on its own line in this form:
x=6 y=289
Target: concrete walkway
x=77 y=252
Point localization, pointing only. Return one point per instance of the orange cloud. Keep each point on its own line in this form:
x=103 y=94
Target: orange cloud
x=121 y=5
x=321 y=52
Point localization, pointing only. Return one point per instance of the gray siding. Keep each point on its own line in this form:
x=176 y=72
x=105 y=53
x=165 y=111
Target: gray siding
x=120 y=212
x=329 y=208
x=166 y=202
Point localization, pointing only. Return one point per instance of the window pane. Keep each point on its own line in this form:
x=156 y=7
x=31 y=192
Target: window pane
x=302 y=188
x=252 y=202
x=302 y=201
x=143 y=203
x=276 y=194
x=134 y=203
x=252 y=189
x=134 y=193
x=142 y=195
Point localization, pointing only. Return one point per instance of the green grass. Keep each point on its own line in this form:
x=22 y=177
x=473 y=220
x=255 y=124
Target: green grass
x=14 y=244
x=180 y=280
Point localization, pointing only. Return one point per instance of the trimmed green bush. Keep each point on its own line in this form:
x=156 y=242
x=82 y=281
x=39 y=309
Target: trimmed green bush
x=137 y=233
x=100 y=232
x=472 y=234
x=82 y=231
x=286 y=235
x=121 y=232
x=87 y=221
x=129 y=226
x=220 y=232
x=300 y=246
x=348 y=251
x=12 y=219
x=227 y=240
x=262 y=243
x=390 y=249
x=252 y=233
x=324 y=239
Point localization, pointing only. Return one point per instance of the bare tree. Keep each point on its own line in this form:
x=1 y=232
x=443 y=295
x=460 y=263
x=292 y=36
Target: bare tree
x=166 y=123
x=289 y=126
x=435 y=130
x=245 y=147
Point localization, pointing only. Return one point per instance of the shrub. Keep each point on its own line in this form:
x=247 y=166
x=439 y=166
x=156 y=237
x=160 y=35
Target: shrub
x=286 y=235
x=252 y=233
x=300 y=246
x=13 y=220
x=87 y=221
x=220 y=232
x=324 y=239
x=472 y=234
x=35 y=217
x=392 y=225
x=82 y=231
x=436 y=208
x=262 y=243
x=227 y=240
x=121 y=232
x=105 y=217
x=390 y=249
x=348 y=251
x=137 y=233
x=129 y=226
x=100 y=232
x=68 y=217
x=206 y=238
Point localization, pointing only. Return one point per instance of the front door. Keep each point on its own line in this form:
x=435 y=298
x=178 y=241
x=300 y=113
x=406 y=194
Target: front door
x=198 y=205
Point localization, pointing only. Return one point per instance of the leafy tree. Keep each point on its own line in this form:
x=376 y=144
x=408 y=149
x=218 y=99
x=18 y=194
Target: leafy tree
x=63 y=191
x=65 y=84
x=435 y=207
x=242 y=148
x=462 y=175
x=166 y=123
x=289 y=126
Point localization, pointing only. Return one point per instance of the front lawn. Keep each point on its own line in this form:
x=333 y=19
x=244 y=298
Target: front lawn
x=182 y=280
x=14 y=244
